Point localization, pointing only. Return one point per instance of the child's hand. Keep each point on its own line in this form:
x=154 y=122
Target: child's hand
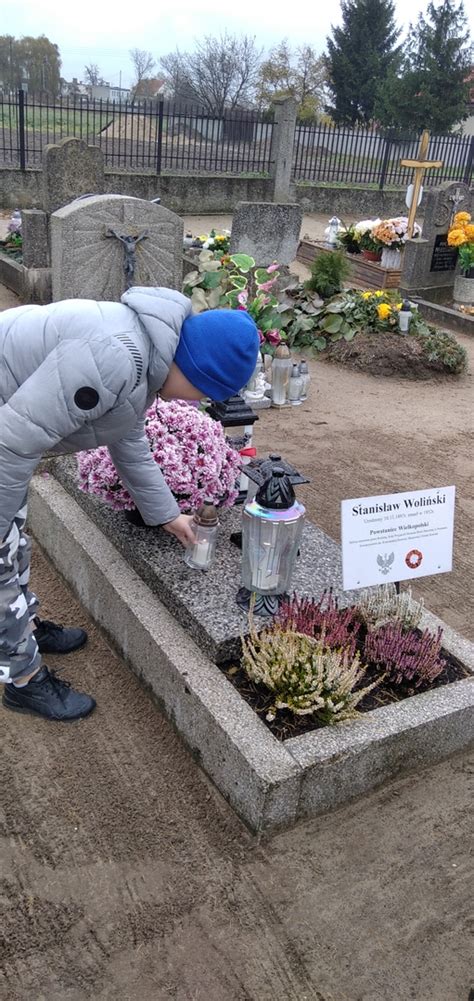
x=182 y=528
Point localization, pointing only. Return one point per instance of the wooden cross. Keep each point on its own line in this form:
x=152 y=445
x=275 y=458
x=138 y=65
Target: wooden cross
x=419 y=166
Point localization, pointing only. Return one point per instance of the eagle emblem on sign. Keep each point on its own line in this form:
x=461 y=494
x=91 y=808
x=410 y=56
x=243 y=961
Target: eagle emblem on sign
x=385 y=562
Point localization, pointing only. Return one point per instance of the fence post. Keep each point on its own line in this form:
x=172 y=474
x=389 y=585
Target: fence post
x=281 y=154
x=385 y=159
x=159 y=138
x=470 y=160
x=21 y=129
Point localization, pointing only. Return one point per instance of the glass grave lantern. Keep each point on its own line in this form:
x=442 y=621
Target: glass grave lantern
x=271 y=531
x=258 y=470
x=200 y=554
x=237 y=419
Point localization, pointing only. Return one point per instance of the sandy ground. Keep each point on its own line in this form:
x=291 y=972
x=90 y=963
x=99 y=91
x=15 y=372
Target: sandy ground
x=126 y=877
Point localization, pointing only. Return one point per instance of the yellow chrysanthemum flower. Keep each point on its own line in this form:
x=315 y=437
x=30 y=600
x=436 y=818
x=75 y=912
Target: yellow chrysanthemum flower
x=456 y=238
x=379 y=293
x=384 y=310
x=398 y=305
x=469 y=231
x=366 y=295
x=461 y=218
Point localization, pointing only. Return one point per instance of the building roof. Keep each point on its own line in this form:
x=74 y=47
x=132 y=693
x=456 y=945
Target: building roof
x=149 y=88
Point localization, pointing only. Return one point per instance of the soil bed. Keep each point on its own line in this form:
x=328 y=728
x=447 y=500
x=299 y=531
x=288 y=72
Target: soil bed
x=288 y=724
x=387 y=354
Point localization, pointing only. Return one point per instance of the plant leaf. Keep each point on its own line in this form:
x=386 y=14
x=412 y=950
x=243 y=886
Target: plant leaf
x=331 y=324
x=199 y=300
x=243 y=261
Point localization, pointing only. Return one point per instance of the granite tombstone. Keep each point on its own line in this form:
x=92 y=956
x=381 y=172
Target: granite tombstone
x=429 y=263
x=71 y=168
x=267 y=231
x=102 y=244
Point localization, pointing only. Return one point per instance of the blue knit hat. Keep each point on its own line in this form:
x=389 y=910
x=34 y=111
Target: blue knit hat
x=217 y=351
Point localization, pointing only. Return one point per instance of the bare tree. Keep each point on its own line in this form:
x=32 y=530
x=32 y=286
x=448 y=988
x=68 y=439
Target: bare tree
x=92 y=74
x=143 y=64
x=301 y=75
x=220 y=73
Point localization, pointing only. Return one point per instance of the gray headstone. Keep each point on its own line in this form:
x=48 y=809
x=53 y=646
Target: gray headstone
x=88 y=263
x=71 y=168
x=429 y=264
x=267 y=231
x=34 y=228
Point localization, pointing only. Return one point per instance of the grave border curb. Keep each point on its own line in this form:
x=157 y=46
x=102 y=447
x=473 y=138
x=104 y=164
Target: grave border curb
x=270 y=784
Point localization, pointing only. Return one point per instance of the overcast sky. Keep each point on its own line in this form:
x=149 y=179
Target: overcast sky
x=103 y=31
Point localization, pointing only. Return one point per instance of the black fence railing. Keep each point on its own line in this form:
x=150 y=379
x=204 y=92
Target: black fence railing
x=364 y=156
x=147 y=135
x=174 y=137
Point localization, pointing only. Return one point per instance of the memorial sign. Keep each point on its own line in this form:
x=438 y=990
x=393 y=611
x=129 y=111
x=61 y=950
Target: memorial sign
x=395 y=537
x=444 y=257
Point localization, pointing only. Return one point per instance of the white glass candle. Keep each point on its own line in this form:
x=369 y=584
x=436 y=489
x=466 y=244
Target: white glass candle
x=295 y=386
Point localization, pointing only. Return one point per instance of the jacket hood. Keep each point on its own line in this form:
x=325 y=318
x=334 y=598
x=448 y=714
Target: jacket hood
x=161 y=313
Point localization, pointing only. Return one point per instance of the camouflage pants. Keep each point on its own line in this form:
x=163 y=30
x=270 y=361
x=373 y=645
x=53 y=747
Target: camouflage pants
x=18 y=649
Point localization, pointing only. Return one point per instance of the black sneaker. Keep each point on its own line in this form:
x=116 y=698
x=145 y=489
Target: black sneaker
x=49 y=696
x=52 y=638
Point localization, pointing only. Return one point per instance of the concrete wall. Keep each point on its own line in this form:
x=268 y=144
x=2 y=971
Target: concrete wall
x=189 y=194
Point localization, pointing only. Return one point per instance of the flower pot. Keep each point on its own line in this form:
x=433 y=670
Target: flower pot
x=391 y=258
x=463 y=290
x=372 y=255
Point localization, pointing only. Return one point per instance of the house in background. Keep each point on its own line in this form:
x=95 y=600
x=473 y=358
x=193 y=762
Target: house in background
x=150 y=89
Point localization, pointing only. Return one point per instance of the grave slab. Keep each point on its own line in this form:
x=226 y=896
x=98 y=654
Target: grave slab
x=269 y=783
x=204 y=601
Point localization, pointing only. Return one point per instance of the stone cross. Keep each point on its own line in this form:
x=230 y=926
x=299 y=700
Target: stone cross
x=130 y=244
x=419 y=166
x=456 y=198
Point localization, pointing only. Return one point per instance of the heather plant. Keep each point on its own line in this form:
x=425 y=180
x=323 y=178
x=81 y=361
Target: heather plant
x=321 y=618
x=304 y=674
x=377 y=607
x=191 y=450
x=405 y=656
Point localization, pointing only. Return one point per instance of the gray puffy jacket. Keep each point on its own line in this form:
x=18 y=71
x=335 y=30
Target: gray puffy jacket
x=78 y=374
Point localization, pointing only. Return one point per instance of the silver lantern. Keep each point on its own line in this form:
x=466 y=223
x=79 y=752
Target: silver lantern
x=271 y=531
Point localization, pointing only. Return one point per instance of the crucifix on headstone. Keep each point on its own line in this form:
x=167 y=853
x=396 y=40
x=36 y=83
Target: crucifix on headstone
x=419 y=166
x=129 y=246
x=456 y=199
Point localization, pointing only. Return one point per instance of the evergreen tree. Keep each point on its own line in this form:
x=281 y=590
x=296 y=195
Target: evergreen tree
x=429 y=90
x=361 y=54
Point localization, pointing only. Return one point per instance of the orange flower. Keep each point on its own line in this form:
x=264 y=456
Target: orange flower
x=384 y=310
x=456 y=237
x=469 y=231
x=461 y=218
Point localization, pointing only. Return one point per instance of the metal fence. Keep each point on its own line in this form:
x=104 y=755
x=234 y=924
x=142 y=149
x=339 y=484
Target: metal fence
x=163 y=136
x=363 y=156
x=147 y=135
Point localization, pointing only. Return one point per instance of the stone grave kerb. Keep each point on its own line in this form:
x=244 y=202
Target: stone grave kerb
x=89 y=258
x=429 y=264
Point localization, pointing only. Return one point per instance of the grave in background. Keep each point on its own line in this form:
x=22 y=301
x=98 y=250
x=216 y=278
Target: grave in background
x=267 y=231
x=429 y=264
